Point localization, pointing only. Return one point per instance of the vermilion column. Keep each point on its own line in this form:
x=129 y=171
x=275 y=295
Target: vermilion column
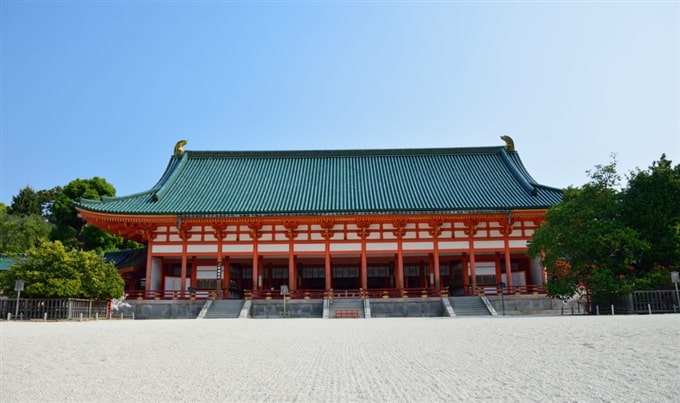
x=256 y=266
x=508 y=263
x=471 y=231
x=255 y=234
x=473 y=271
x=399 y=275
x=435 y=232
x=364 y=267
x=291 y=233
x=464 y=269
x=219 y=231
x=363 y=233
x=327 y=272
x=436 y=266
x=183 y=278
x=497 y=265
x=292 y=281
x=149 y=265
x=185 y=234
x=399 y=269
x=194 y=265
x=225 y=274
x=327 y=234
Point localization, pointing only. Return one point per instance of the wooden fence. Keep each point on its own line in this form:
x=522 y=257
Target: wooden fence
x=53 y=309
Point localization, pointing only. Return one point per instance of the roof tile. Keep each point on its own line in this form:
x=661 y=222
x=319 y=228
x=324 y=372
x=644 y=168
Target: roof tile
x=337 y=182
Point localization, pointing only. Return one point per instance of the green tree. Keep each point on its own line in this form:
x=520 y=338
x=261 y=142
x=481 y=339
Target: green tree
x=70 y=229
x=583 y=240
x=51 y=270
x=651 y=205
x=27 y=202
x=31 y=202
x=19 y=233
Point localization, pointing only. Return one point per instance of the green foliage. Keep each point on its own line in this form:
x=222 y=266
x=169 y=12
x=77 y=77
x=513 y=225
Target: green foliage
x=610 y=239
x=21 y=232
x=652 y=206
x=26 y=203
x=23 y=224
x=29 y=202
x=69 y=228
x=51 y=270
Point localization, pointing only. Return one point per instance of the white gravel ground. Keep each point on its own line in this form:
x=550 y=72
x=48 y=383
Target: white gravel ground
x=570 y=358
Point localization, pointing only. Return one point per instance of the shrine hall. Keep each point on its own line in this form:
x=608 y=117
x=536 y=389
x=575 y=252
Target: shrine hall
x=369 y=222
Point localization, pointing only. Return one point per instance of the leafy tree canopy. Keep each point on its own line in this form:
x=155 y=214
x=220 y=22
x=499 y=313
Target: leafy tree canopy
x=51 y=270
x=651 y=205
x=612 y=239
x=31 y=202
x=23 y=224
x=71 y=229
x=19 y=233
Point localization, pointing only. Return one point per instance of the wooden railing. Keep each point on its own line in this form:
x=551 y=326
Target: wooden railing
x=331 y=294
x=514 y=290
x=346 y=313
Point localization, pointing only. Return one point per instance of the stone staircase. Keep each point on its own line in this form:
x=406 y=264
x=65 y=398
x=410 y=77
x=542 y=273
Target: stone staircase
x=469 y=306
x=346 y=307
x=224 y=309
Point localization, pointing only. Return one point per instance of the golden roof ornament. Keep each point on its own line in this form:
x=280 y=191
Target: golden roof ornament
x=179 y=147
x=509 y=144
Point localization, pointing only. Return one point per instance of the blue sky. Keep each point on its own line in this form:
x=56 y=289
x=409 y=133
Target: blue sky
x=106 y=88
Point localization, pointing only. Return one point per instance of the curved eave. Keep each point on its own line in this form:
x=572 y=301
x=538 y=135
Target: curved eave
x=137 y=223
x=111 y=208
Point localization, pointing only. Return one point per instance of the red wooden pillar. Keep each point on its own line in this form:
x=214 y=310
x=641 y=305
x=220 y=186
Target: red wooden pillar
x=497 y=267
x=464 y=270
x=327 y=234
x=364 y=266
x=327 y=267
x=184 y=234
x=435 y=260
x=473 y=271
x=149 y=266
x=363 y=233
x=292 y=279
x=219 y=231
x=255 y=234
x=508 y=262
x=435 y=232
x=399 y=269
x=291 y=233
x=226 y=282
x=471 y=231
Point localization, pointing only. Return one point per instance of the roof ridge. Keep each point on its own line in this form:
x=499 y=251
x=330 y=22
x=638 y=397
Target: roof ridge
x=329 y=153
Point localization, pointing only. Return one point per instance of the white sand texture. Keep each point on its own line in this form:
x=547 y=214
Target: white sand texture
x=513 y=359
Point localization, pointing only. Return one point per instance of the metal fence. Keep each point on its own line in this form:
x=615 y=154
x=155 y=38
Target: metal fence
x=660 y=301
x=53 y=309
x=640 y=302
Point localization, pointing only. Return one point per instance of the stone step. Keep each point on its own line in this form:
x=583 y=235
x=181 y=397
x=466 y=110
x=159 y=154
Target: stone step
x=469 y=306
x=224 y=309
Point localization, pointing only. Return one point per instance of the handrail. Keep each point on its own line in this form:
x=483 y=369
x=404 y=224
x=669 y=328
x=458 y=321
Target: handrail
x=275 y=294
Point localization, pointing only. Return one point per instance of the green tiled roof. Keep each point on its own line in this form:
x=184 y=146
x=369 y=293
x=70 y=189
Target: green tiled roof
x=123 y=259
x=270 y=183
x=6 y=262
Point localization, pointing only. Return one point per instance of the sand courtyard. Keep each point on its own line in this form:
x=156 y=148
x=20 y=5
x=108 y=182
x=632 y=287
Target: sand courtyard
x=557 y=358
